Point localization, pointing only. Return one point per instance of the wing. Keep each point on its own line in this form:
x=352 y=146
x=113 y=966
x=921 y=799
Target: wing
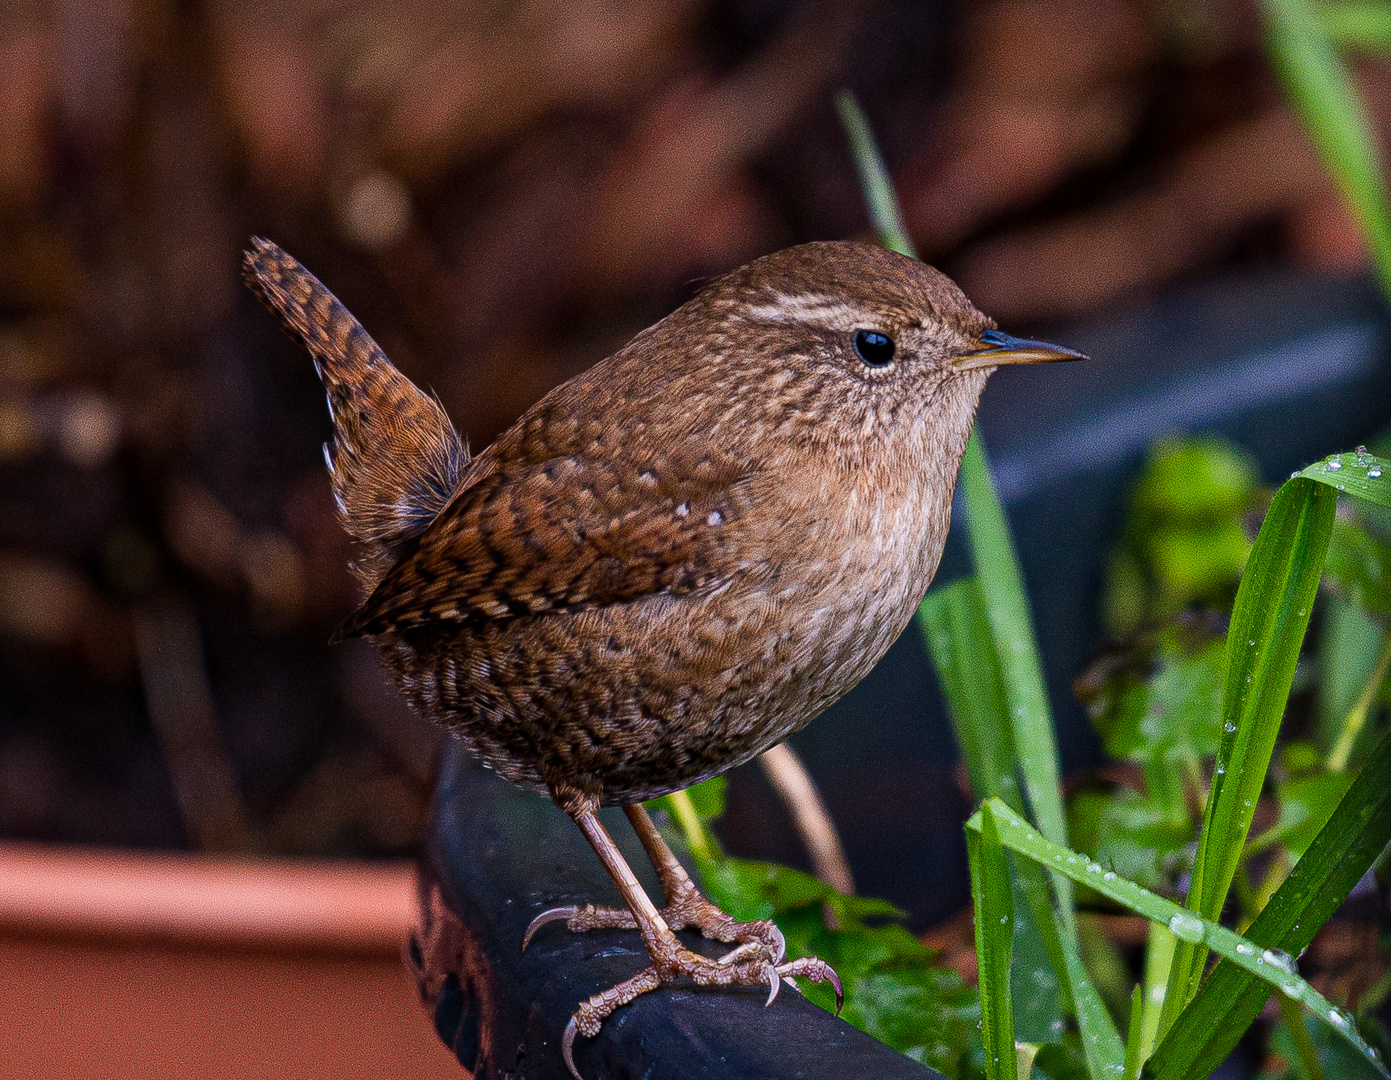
x=570 y=533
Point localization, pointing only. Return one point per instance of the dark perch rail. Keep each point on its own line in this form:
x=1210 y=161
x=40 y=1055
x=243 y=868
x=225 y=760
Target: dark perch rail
x=497 y=856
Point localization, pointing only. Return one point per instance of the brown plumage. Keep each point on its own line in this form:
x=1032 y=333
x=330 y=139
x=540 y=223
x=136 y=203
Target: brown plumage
x=677 y=558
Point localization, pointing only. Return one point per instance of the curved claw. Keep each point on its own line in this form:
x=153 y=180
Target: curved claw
x=567 y=1048
x=774 y=985
x=555 y=914
x=780 y=953
x=834 y=980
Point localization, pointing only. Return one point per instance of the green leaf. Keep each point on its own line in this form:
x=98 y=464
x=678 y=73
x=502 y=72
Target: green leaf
x=1132 y=833
x=1274 y=969
x=1305 y=1057
x=1101 y=1042
x=1322 y=1054
x=1194 y=561
x=1035 y=990
x=930 y=1016
x=1356 y=718
x=1184 y=539
x=1359 y=473
x=708 y=797
x=1197 y=481
x=1159 y=955
x=1230 y=999
x=1324 y=93
x=1306 y=804
x=758 y=890
x=1267 y=629
x=894 y=989
x=1176 y=716
x=1062 y=1060
x=1348 y=650
x=1359 y=564
x=992 y=896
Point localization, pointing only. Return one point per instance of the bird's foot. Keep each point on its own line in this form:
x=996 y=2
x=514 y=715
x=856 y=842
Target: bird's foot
x=686 y=908
x=747 y=965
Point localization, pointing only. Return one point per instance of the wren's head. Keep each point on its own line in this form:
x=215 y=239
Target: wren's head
x=838 y=345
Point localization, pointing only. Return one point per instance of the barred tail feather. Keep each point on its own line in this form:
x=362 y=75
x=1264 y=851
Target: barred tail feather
x=394 y=458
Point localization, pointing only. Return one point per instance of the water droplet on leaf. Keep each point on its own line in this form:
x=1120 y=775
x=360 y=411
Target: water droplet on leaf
x=1186 y=927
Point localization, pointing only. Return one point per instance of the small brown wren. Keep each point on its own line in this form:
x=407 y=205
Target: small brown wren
x=672 y=561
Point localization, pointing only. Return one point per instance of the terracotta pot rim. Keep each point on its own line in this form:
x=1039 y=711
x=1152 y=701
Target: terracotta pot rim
x=217 y=900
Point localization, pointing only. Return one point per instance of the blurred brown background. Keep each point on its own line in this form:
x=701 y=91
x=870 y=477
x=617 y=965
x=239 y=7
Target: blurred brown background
x=503 y=193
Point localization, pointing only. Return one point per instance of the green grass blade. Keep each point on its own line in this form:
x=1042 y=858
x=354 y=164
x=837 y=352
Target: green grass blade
x=1267 y=629
x=1357 y=716
x=1101 y=1042
x=1358 y=24
x=1230 y=999
x=882 y=202
x=1324 y=93
x=1042 y=995
x=1359 y=474
x=1011 y=625
x=1159 y=956
x=1134 y=1038
x=1308 y=1057
x=1276 y=969
x=963 y=653
x=993 y=900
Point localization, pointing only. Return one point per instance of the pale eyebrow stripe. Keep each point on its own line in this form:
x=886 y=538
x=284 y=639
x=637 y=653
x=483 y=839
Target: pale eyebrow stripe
x=821 y=309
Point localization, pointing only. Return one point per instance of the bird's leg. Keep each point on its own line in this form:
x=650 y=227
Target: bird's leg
x=684 y=905
x=748 y=965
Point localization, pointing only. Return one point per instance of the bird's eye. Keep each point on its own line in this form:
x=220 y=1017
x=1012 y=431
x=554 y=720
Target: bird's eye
x=874 y=348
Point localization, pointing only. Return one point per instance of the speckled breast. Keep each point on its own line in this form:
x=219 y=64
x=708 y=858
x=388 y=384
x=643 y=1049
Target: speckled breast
x=633 y=701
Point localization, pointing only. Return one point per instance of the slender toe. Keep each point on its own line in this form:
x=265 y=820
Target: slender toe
x=747 y=951
x=817 y=971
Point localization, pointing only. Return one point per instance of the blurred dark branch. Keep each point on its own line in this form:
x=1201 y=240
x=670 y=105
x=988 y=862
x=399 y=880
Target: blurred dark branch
x=181 y=709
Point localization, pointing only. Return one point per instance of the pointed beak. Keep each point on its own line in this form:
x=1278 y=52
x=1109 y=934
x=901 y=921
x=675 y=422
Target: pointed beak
x=998 y=348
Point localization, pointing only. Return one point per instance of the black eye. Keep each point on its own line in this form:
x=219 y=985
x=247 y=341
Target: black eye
x=874 y=348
